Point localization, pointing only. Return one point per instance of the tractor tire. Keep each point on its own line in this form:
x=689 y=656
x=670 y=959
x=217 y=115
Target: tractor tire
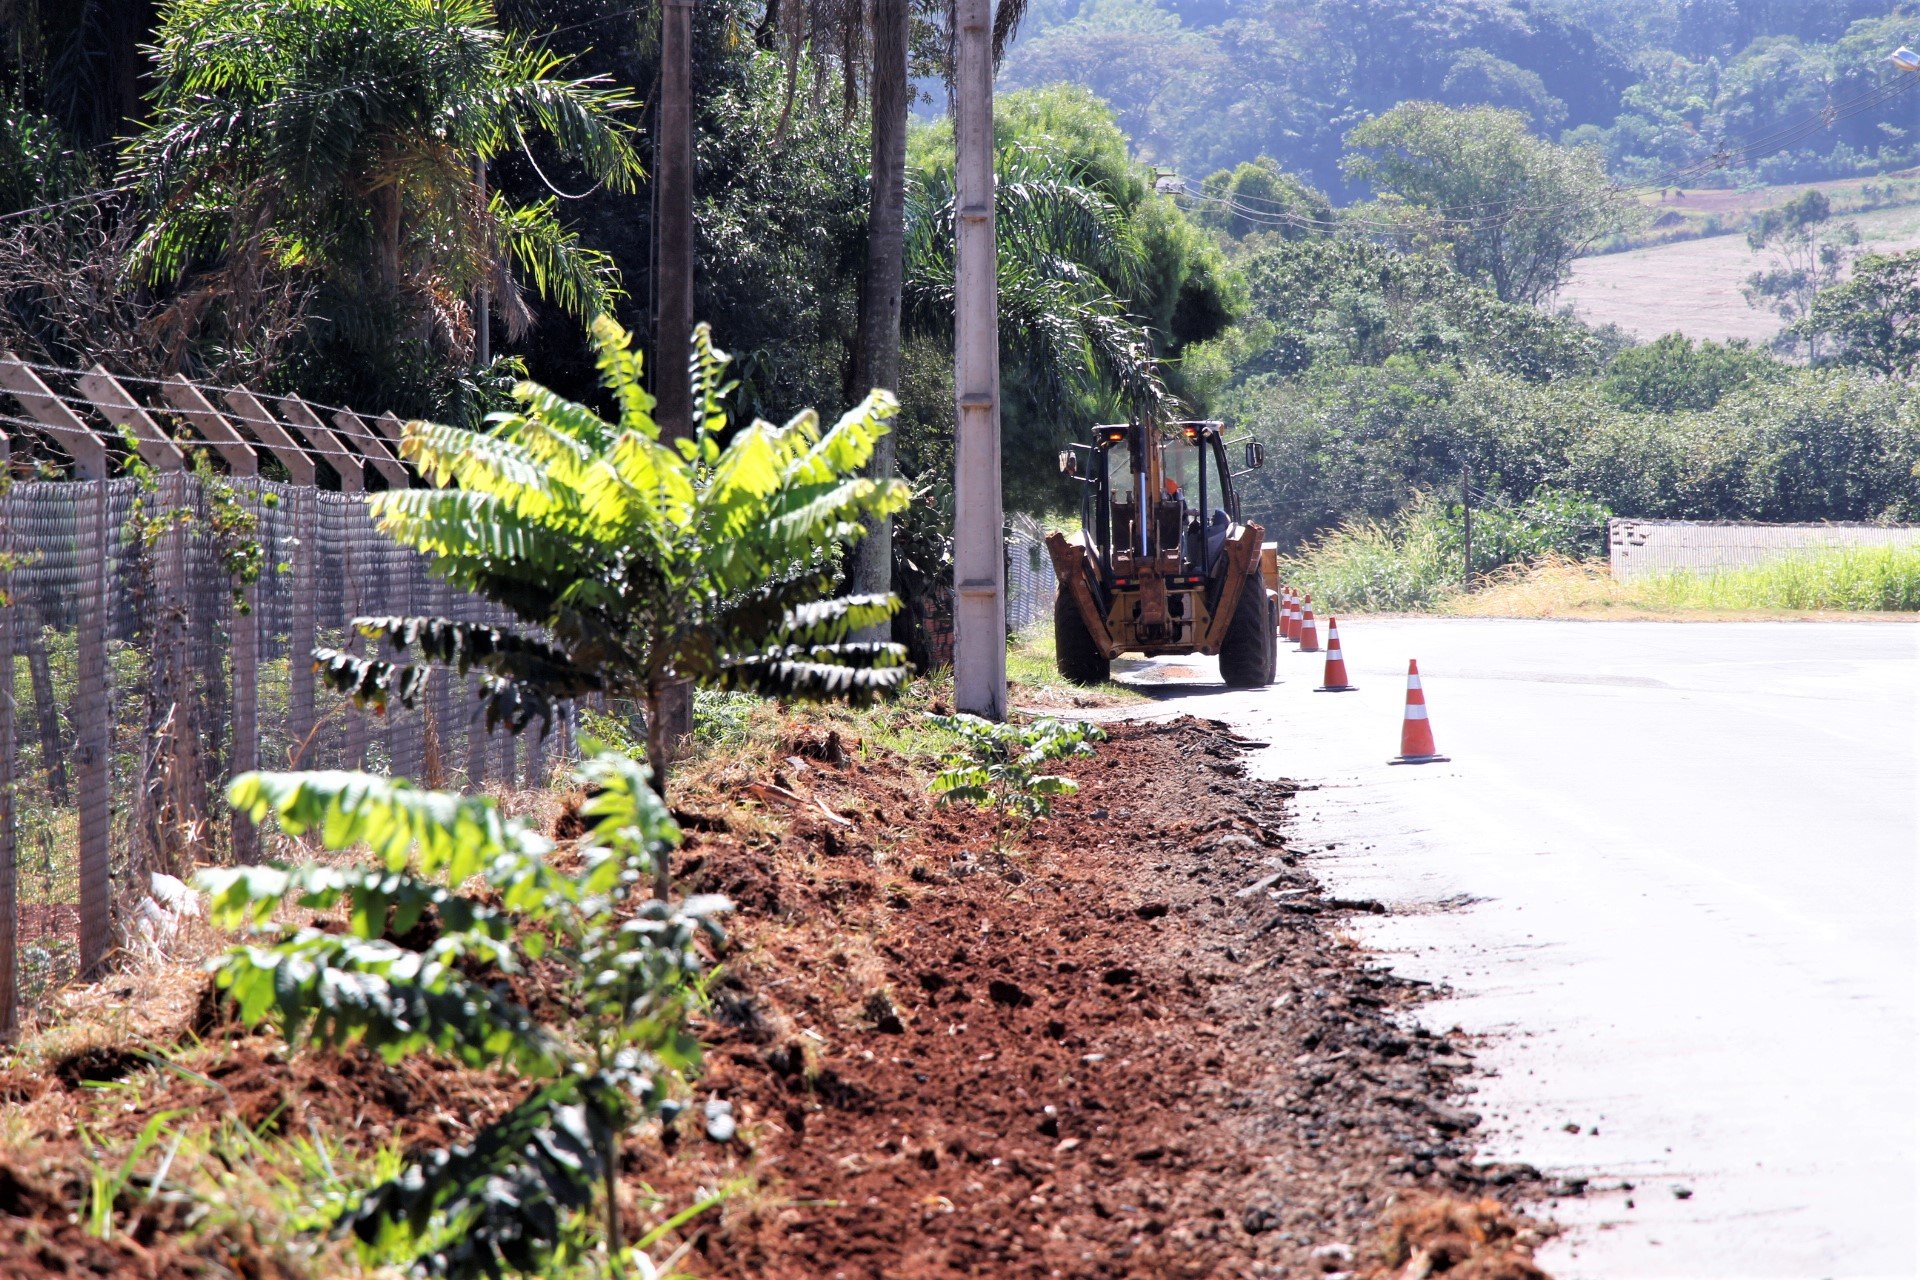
x=1247 y=655
x=1075 y=656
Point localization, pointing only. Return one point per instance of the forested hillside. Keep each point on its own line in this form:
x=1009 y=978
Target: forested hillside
x=1657 y=84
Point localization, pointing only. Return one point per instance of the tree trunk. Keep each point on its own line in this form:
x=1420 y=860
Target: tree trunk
x=876 y=356
x=386 y=209
x=660 y=741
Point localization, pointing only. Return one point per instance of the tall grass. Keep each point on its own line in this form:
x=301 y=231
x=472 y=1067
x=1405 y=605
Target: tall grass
x=1881 y=579
x=1841 y=580
x=1368 y=567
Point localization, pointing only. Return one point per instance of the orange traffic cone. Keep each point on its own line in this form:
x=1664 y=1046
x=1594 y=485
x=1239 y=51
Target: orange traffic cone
x=1309 y=633
x=1335 y=681
x=1416 y=733
x=1287 y=603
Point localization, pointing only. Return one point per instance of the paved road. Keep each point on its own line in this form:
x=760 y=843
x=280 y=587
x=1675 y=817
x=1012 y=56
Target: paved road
x=1670 y=874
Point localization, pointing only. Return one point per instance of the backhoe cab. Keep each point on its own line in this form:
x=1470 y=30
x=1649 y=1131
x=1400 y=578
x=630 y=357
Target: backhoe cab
x=1163 y=562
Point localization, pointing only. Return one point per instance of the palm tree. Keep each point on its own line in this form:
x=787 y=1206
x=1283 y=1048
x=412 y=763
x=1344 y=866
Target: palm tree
x=835 y=31
x=1067 y=257
x=337 y=141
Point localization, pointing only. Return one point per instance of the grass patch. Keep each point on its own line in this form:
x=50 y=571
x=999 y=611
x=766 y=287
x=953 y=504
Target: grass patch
x=1842 y=580
x=1035 y=679
x=1366 y=566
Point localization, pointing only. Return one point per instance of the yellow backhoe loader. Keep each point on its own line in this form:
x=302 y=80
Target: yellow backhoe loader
x=1163 y=563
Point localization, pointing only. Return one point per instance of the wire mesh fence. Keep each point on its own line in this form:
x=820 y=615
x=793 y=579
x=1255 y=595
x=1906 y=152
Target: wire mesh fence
x=144 y=675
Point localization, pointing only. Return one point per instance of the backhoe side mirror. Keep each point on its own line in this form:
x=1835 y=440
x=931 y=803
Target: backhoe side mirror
x=1256 y=455
x=1070 y=464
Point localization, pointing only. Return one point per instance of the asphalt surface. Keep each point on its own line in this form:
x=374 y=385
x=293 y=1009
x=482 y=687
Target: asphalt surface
x=1669 y=875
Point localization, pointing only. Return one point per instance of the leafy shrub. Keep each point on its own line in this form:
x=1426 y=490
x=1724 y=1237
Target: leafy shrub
x=517 y=1198
x=634 y=563
x=1674 y=372
x=996 y=767
x=1417 y=559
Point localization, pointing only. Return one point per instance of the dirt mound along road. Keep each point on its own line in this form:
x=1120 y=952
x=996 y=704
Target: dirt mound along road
x=1139 y=1047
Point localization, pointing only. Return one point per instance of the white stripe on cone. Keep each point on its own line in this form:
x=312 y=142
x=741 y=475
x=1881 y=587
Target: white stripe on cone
x=1416 y=712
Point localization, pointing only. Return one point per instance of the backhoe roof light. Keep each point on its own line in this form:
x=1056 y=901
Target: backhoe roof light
x=1111 y=435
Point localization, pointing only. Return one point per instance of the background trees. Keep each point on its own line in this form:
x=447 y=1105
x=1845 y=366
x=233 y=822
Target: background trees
x=1516 y=209
x=336 y=142
x=1873 y=319
x=1204 y=85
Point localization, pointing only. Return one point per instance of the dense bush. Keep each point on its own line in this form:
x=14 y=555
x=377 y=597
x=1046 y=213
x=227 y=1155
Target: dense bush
x=1355 y=442
x=1419 y=558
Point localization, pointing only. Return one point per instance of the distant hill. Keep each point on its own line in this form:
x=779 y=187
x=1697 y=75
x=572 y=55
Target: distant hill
x=1657 y=84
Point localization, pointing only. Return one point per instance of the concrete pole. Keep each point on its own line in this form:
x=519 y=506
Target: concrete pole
x=979 y=557
x=673 y=277
x=673 y=179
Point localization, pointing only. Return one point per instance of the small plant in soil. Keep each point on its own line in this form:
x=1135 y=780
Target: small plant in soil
x=620 y=971
x=997 y=767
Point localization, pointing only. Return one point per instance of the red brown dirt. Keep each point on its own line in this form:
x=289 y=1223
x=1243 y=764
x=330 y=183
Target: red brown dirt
x=1138 y=1047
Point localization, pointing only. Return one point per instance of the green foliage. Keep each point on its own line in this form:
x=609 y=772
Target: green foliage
x=1104 y=285
x=1675 y=372
x=329 y=145
x=1854 y=578
x=1417 y=559
x=1810 y=254
x=1345 y=301
x=644 y=561
x=1520 y=209
x=1263 y=199
x=515 y=1199
x=1872 y=320
x=37 y=162
x=996 y=767
x=1204 y=85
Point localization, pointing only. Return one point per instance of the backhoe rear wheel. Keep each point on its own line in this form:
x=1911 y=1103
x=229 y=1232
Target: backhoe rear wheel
x=1075 y=655
x=1247 y=655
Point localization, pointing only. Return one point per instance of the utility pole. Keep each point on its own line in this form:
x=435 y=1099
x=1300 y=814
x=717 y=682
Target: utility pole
x=979 y=555
x=1466 y=517
x=673 y=275
x=673 y=225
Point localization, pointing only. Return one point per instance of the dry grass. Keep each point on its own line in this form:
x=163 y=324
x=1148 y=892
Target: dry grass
x=1693 y=286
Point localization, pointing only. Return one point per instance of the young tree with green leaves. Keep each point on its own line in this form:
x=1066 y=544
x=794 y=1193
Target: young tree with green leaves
x=519 y=1198
x=633 y=561
x=1810 y=253
x=1873 y=318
